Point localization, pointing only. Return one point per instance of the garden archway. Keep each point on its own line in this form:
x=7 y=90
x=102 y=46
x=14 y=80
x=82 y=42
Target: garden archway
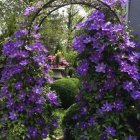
x=51 y=6
x=38 y=50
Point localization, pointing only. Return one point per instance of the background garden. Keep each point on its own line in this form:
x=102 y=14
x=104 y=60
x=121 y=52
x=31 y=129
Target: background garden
x=69 y=69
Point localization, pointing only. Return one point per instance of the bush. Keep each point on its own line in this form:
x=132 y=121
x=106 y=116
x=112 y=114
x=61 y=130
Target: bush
x=76 y=82
x=68 y=123
x=71 y=57
x=66 y=90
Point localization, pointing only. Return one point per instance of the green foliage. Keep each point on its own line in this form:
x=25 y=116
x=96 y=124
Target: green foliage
x=71 y=72
x=17 y=129
x=66 y=90
x=70 y=57
x=51 y=73
x=76 y=81
x=60 y=112
x=67 y=121
x=2 y=58
x=10 y=13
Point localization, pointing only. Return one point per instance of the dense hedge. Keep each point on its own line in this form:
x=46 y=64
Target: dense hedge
x=66 y=89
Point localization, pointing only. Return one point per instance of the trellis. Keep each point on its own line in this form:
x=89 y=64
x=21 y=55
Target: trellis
x=52 y=6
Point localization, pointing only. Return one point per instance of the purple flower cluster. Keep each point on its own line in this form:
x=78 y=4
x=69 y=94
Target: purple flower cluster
x=23 y=96
x=83 y=68
x=32 y=8
x=109 y=63
x=52 y=98
x=110 y=131
x=109 y=107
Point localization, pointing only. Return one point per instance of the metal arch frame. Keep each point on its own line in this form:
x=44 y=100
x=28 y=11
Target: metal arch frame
x=60 y=6
x=96 y=4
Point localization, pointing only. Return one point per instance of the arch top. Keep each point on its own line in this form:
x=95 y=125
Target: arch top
x=54 y=5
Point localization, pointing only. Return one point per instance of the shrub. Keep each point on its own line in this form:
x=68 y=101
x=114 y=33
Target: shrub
x=66 y=89
x=69 y=121
x=71 y=57
x=76 y=81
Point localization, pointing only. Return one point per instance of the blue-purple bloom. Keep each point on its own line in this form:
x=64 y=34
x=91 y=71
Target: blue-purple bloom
x=12 y=115
x=75 y=117
x=32 y=131
x=83 y=68
x=107 y=107
x=18 y=85
x=29 y=10
x=21 y=95
x=44 y=133
x=84 y=125
x=79 y=44
x=110 y=131
x=135 y=95
x=83 y=111
x=24 y=62
x=118 y=105
x=52 y=98
x=55 y=123
x=91 y=121
x=128 y=86
x=40 y=100
x=21 y=107
x=96 y=57
x=37 y=89
x=10 y=103
x=101 y=68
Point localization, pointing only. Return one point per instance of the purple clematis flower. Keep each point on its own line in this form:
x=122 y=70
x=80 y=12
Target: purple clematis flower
x=10 y=103
x=83 y=68
x=135 y=95
x=51 y=96
x=40 y=100
x=100 y=68
x=24 y=62
x=18 y=85
x=107 y=107
x=110 y=131
x=32 y=131
x=55 y=123
x=44 y=133
x=128 y=86
x=13 y=115
x=21 y=95
x=37 y=89
x=118 y=105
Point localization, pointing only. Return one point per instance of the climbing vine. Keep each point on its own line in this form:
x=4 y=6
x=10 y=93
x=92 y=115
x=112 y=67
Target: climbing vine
x=108 y=65
x=26 y=101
